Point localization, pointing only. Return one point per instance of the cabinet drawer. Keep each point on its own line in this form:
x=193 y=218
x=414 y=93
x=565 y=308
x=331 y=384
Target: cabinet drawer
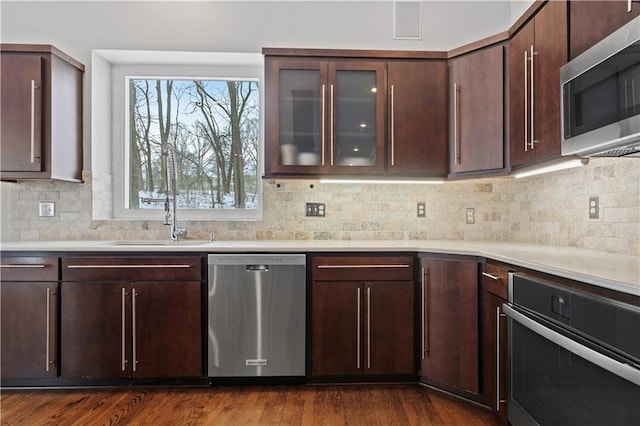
x=381 y=268
x=131 y=268
x=29 y=268
x=495 y=279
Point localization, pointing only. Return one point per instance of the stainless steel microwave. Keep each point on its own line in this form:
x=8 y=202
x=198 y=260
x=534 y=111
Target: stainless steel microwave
x=600 y=97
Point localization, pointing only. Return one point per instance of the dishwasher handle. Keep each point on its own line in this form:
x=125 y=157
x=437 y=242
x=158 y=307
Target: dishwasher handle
x=257 y=268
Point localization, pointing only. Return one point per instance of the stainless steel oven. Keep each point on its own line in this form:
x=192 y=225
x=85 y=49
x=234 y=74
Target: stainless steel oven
x=574 y=357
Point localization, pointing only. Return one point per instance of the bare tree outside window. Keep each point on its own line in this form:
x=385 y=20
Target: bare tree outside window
x=213 y=127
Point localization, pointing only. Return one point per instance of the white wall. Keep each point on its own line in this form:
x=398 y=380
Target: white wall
x=518 y=7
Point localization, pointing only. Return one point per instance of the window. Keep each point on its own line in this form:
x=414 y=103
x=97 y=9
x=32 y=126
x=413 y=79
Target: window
x=211 y=127
x=198 y=126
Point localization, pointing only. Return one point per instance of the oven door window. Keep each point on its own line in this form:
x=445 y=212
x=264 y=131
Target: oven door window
x=552 y=386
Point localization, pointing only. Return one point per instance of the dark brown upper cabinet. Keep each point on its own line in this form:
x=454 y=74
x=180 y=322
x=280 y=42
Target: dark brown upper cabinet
x=41 y=114
x=417 y=117
x=355 y=113
x=476 y=116
x=324 y=116
x=536 y=53
x=591 y=21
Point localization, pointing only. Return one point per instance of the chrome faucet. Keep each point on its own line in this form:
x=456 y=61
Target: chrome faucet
x=170 y=215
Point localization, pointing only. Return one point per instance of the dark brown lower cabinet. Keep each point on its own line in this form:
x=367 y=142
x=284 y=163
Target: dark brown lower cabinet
x=495 y=353
x=144 y=329
x=362 y=328
x=28 y=318
x=449 y=318
x=29 y=329
x=495 y=339
x=130 y=329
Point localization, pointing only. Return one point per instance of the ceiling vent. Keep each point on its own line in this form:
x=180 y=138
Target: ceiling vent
x=407 y=20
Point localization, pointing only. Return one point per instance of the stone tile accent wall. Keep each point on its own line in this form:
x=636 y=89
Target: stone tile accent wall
x=550 y=209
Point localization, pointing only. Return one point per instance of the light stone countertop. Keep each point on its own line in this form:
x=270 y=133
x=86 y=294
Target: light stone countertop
x=613 y=271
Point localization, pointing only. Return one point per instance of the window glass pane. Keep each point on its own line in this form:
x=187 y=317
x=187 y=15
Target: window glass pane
x=212 y=126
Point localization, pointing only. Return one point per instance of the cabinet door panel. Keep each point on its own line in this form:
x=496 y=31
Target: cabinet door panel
x=95 y=324
x=167 y=329
x=28 y=329
x=389 y=328
x=595 y=19
x=451 y=324
x=477 y=134
x=356 y=116
x=551 y=47
x=21 y=109
x=495 y=349
x=417 y=118
x=337 y=341
x=519 y=97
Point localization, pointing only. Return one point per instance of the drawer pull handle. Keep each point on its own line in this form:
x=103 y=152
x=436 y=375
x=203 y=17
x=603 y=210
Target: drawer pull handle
x=360 y=266
x=125 y=266
x=493 y=277
x=16 y=266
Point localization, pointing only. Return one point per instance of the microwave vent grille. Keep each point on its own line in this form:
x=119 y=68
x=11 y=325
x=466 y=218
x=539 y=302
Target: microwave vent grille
x=620 y=152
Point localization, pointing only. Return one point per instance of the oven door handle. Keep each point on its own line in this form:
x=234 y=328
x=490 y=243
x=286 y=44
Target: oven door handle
x=624 y=371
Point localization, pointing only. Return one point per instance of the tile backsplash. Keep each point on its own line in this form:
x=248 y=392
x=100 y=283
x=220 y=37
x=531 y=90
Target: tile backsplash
x=550 y=209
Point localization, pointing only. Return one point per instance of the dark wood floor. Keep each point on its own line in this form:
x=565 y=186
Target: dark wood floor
x=242 y=405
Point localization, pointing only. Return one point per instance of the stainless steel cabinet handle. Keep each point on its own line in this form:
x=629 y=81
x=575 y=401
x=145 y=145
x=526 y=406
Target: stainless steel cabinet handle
x=362 y=266
x=426 y=314
x=141 y=266
x=331 y=121
x=624 y=371
x=422 y=325
x=358 y=325
x=533 y=111
x=493 y=277
x=368 y=327
x=33 y=121
x=123 y=357
x=526 y=103
x=456 y=154
x=499 y=315
x=393 y=129
x=17 y=266
x=628 y=5
x=323 y=130
x=48 y=337
x=134 y=357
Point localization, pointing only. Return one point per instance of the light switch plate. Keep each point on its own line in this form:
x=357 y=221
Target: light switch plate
x=47 y=209
x=315 y=209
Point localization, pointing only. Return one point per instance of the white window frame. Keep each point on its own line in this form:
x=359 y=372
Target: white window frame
x=197 y=65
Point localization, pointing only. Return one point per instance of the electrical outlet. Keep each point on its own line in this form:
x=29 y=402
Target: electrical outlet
x=421 y=209
x=594 y=207
x=315 y=209
x=47 y=209
x=470 y=216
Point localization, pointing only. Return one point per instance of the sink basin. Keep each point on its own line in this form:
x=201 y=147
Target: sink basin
x=158 y=243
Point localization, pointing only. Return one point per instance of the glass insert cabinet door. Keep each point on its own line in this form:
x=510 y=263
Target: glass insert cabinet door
x=357 y=121
x=328 y=116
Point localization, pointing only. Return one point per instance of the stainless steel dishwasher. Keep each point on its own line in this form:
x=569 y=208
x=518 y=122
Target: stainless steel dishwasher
x=256 y=315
